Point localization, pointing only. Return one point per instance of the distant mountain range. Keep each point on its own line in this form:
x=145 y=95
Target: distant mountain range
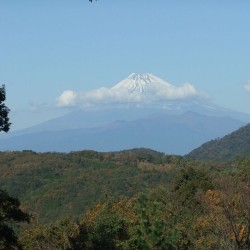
x=145 y=111
x=231 y=146
x=176 y=134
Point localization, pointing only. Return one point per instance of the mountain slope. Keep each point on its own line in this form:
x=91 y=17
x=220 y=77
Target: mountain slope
x=176 y=134
x=236 y=144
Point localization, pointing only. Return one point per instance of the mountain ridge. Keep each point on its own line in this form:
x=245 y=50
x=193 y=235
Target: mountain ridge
x=229 y=147
x=176 y=134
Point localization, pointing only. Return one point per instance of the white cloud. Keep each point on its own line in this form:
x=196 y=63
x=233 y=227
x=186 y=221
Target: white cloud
x=105 y=96
x=171 y=92
x=67 y=99
x=247 y=86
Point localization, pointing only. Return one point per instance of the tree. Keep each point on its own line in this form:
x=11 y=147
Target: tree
x=9 y=206
x=10 y=213
x=228 y=214
x=58 y=235
x=152 y=229
x=104 y=226
x=4 y=111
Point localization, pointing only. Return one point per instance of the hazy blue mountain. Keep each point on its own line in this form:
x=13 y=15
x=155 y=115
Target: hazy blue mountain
x=81 y=118
x=173 y=134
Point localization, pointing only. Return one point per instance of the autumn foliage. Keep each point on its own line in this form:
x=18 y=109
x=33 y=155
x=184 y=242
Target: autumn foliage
x=137 y=199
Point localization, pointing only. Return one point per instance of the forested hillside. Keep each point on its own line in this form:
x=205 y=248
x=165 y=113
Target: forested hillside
x=135 y=199
x=234 y=145
x=53 y=185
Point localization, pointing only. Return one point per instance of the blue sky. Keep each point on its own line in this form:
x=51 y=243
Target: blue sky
x=49 y=46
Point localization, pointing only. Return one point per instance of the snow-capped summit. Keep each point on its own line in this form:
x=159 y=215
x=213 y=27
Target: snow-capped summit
x=147 y=88
x=136 y=89
x=139 y=82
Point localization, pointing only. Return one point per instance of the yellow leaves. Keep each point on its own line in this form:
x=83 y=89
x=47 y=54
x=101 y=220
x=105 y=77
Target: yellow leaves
x=205 y=242
x=156 y=167
x=54 y=236
x=213 y=197
x=123 y=207
x=243 y=233
x=227 y=215
x=93 y=213
x=202 y=222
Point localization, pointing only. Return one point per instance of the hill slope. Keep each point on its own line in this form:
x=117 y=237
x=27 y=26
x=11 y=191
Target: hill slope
x=53 y=185
x=236 y=144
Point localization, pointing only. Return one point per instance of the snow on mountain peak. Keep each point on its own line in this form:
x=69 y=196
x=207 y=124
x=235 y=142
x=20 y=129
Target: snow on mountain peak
x=138 y=82
x=137 y=88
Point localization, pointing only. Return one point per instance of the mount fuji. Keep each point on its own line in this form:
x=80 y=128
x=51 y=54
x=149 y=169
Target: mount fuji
x=140 y=111
x=145 y=83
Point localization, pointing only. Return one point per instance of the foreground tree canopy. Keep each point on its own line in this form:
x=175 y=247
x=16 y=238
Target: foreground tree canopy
x=4 y=111
x=194 y=212
x=10 y=211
